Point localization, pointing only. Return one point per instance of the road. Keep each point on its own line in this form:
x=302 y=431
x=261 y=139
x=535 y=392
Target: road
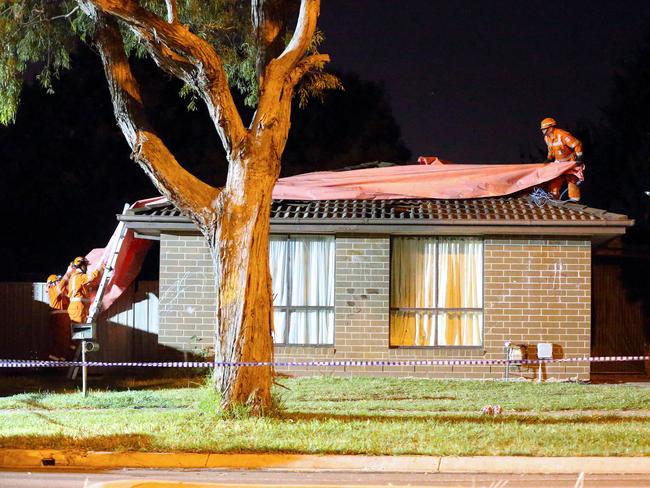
x=80 y=479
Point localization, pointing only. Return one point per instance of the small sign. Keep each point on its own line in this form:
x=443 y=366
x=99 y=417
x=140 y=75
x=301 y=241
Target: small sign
x=83 y=331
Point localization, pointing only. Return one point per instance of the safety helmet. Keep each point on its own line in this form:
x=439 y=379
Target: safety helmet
x=79 y=262
x=548 y=122
x=52 y=279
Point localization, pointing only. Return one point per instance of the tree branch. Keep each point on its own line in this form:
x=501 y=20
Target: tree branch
x=305 y=28
x=176 y=48
x=182 y=188
x=306 y=65
x=284 y=72
x=172 y=11
x=269 y=18
x=65 y=16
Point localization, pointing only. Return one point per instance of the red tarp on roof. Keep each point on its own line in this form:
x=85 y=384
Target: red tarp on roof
x=432 y=178
x=436 y=179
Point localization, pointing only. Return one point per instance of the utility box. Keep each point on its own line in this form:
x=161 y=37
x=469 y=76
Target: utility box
x=83 y=332
x=544 y=350
x=514 y=352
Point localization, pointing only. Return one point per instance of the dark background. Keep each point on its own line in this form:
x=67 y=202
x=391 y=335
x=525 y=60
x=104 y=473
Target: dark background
x=469 y=81
x=466 y=81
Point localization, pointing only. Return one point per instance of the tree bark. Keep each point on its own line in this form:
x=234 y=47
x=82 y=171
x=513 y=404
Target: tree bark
x=240 y=251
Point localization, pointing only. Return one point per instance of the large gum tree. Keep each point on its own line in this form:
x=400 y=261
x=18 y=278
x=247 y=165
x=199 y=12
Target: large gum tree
x=265 y=48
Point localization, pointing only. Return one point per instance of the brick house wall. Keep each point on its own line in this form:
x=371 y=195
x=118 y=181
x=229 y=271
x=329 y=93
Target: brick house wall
x=535 y=290
x=187 y=299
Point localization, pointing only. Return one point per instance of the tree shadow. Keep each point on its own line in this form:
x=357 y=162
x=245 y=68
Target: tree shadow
x=39 y=382
x=532 y=419
x=34 y=403
x=116 y=442
x=379 y=396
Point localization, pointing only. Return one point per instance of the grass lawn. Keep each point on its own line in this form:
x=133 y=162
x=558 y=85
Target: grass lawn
x=339 y=415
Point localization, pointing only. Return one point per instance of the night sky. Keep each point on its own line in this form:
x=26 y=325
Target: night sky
x=470 y=81
x=467 y=81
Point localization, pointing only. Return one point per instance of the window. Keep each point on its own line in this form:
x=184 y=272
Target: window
x=436 y=296
x=302 y=269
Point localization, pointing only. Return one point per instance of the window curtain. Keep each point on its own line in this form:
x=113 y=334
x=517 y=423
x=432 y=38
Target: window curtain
x=302 y=285
x=430 y=274
x=413 y=284
x=278 y=259
x=460 y=270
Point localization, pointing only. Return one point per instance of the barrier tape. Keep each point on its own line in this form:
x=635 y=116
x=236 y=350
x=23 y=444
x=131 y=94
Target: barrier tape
x=29 y=363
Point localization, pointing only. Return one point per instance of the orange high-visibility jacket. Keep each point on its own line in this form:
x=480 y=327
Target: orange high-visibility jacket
x=562 y=145
x=79 y=293
x=57 y=296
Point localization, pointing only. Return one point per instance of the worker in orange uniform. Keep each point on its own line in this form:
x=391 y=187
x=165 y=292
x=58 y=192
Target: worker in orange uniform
x=79 y=287
x=62 y=347
x=562 y=146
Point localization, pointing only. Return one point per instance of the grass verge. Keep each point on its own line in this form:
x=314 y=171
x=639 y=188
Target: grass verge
x=342 y=416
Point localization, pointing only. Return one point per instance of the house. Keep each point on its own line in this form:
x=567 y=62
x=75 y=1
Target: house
x=402 y=280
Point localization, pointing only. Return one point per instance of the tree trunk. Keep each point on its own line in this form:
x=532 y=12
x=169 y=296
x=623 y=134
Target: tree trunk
x=240 y=252
x=235 y=219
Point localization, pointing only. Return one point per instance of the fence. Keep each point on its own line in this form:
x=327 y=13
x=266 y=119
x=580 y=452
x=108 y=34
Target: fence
x=127 y=332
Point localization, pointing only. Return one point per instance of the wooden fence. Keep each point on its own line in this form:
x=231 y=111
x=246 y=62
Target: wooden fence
x=127 y=332
x=620 y=305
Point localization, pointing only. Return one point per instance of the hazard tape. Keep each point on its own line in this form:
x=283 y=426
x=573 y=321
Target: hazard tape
x=29 y=363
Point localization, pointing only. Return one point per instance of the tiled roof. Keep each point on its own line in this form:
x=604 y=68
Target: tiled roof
x=489 y=209
x=496 y=210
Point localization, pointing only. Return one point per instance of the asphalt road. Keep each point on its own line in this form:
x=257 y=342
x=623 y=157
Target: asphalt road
x=80 y=479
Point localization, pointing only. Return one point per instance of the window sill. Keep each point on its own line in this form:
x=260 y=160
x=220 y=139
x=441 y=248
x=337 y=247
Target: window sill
x=316 y=350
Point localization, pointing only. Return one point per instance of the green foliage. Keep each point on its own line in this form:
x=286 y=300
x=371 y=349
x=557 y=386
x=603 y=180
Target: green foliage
x=317 y=82
x=226 y=25
x=242 y=74
x=35 y=36
x=39 y=35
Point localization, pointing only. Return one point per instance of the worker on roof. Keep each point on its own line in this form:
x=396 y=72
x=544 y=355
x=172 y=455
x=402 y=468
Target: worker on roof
x=62 y=347
x=562 y=146
x=79 y=288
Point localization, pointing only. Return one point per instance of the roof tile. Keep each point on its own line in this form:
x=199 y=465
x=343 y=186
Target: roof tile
x=496 y=209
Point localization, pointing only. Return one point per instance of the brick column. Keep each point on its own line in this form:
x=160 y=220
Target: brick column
x=187 y=295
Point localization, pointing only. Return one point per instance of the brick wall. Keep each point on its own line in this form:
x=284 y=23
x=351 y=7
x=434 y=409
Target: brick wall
x=539 y=291
x=187 y=294
x=536 y=290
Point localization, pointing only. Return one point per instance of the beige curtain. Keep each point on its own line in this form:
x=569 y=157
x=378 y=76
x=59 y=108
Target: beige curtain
x=460 y=270
x=413 y=277
x=415 y=285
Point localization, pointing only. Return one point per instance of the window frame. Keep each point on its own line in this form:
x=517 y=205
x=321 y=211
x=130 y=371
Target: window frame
x=287 y=309
x=436 y=311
